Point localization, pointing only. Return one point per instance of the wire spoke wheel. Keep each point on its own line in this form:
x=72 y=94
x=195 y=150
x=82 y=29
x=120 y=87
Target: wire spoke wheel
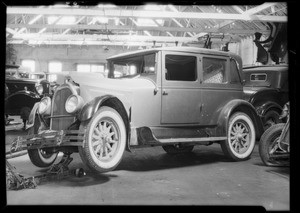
x=105 y=139
x=240 y=137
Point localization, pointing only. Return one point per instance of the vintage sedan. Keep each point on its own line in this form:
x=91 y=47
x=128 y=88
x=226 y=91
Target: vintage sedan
x=266 y=88
x=21 y=93
x=174 y=97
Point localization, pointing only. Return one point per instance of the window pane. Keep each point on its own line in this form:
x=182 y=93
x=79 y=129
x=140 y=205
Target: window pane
x=83 y=68
x=234 y=76
x=29 y=64
x=214 y=70
x=55 y=66
x=97 y=68
x=180 y=68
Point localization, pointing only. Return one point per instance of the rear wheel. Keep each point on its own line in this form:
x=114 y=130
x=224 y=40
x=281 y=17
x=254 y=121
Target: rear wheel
x=177 y=148
x=271 y=118
x=40 y=157
x=240 y=137
x=105 y=141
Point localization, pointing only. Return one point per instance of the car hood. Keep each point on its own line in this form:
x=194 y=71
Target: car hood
x=94 y=85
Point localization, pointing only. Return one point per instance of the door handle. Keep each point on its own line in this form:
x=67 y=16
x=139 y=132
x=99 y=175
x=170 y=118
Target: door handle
x=165 y=93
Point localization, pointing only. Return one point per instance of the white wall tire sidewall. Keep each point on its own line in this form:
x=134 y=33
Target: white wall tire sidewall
x=49 y=160
x=242 y=116
x=108 y=112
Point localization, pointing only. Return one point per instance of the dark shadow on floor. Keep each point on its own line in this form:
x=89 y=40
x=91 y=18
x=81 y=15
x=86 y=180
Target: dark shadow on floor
x=139 y=162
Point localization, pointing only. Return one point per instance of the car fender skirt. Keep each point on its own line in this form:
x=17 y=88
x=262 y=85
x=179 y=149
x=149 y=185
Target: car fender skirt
x=91 y=107
x=239 y=105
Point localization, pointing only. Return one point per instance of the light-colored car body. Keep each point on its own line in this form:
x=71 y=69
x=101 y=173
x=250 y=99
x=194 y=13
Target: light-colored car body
x=164 y=96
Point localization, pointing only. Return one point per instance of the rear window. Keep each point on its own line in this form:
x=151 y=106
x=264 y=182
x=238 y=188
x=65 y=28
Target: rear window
x=258 y=77
x=214 y=70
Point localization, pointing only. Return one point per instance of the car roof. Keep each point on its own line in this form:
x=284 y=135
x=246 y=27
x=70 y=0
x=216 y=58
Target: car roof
x=175 y=49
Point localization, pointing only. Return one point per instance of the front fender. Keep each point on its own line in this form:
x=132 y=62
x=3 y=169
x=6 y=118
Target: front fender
x=91 y=107
x=241 y=106
x=23 y=92
x=32 y=115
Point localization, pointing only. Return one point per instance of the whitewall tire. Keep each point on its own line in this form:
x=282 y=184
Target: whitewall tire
x=105 y=140
x=240 y=141
x=40 y=157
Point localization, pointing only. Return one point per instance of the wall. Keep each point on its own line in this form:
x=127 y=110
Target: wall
x=246 y=48
x=69 y=56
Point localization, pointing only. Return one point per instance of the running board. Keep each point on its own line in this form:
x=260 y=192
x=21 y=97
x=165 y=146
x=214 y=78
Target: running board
x=182 y=140
x=146 y=137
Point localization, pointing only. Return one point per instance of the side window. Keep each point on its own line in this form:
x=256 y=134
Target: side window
x=234 y=75
x=214 y=70
x=180 y=68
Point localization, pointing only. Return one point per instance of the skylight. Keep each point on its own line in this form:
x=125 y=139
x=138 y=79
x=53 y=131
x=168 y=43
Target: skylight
x=63 y=20
x=152 y=7
x=148 y=22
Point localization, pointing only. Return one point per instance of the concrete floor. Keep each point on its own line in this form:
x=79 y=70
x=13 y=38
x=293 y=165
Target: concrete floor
x=149 y=176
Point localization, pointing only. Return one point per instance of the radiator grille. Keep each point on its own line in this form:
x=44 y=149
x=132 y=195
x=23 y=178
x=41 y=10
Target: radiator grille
x=58 y=109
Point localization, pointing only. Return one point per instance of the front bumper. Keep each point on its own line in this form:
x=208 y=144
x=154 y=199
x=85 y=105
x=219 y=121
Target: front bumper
x=47 y=139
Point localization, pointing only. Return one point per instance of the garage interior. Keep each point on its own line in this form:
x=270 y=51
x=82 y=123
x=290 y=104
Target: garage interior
x=79 y=37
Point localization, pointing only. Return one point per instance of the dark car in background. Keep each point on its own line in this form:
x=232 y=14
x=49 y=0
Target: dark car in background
x=22 y=92
x=266 y=88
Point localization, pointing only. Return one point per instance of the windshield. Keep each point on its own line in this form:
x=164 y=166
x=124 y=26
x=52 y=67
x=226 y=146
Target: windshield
x=138 y=66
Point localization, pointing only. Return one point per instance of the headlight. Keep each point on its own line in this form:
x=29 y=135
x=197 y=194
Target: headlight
x=39 y=88
x=73 y=103
x=45 y=106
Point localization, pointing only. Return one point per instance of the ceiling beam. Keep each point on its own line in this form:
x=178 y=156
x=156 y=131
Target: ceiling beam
x=251 y=11
x=108 y=43
x=135 y=28
x=36 y=36
x=145 y=14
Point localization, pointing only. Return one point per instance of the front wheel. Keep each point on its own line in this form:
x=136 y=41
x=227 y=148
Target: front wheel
x=105 y=141
x=269 y=145
x=240 y=137
x=40 y=157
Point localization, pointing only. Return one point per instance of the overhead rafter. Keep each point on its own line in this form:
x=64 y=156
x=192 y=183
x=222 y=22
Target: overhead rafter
x=106 y=43
x=145 y=14
x=135 y=28
x=249 y=12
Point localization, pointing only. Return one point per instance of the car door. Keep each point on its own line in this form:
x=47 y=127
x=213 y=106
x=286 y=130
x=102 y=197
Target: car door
x=180 y=92
x=219 y=84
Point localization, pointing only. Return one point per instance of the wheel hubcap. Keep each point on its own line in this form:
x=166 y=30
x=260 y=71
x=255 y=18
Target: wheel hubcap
x=105 y=139
x=240 y=137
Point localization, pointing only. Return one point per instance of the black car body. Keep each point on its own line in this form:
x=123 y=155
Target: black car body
x=266 y=88
x=21 y=92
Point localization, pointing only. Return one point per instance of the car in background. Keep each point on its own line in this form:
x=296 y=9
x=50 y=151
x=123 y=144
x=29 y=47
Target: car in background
x=173 y=97
x=266 y=88
x=22 y=92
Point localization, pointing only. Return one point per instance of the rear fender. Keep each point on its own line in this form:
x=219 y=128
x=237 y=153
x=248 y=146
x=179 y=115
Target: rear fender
x=239 y=106
x=265 y=107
